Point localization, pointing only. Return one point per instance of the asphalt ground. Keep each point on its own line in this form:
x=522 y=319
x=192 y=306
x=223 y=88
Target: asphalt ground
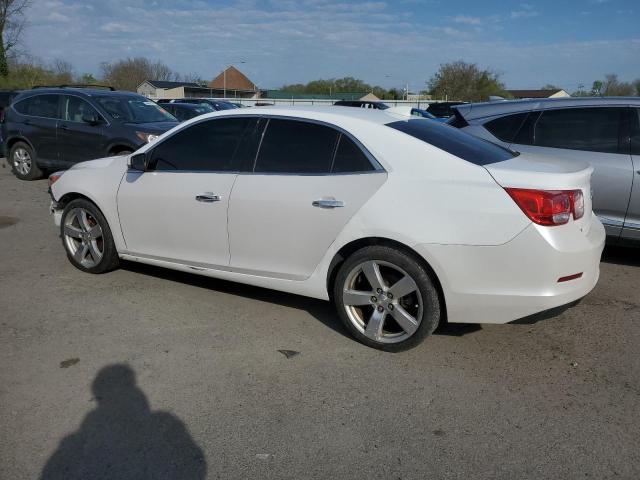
x=147 y=373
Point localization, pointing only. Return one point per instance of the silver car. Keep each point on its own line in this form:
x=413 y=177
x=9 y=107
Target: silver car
x=603 y=131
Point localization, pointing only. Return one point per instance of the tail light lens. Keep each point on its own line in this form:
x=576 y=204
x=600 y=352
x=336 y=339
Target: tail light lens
x=54 y=177
x=549 y=207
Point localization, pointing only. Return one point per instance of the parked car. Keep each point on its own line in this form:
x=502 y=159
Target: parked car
x=602 y=131
x=187 y=111
x=362 y=104
x=53 y=128
x=403 y=223
x=213 y=102
x=442 y=109
x=407 y=111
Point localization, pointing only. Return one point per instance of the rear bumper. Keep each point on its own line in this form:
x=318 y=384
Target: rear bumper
x=503 y=283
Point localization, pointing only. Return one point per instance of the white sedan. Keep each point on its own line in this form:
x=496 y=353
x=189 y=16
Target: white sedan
x=403 y=223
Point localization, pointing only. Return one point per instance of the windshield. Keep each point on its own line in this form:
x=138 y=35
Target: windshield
x=204 y=108
x=134 y=110
x=224 y=106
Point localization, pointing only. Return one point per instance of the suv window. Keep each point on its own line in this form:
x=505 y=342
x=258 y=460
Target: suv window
x=208 y=146
x=39 y=106
x=453 y=141
x=74 y=108
x=350 y=158
x=635 y=131
x=593 y=129
x=505 y=128
x=290 y=146
x=134 y=109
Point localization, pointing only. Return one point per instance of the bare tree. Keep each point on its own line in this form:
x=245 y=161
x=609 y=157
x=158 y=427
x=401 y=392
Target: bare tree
x=127 y=74
x=612 y=87
x=12 y=21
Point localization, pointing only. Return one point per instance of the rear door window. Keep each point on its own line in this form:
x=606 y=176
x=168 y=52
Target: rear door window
x=39 y=106
x=209 y=146
x=350 y=158
x=635 y=131
x=296 y=147
x=594 y=129
x=505 y=128
x=454 y=141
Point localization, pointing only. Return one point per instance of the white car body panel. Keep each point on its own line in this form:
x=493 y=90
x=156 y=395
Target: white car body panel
x=493 y=264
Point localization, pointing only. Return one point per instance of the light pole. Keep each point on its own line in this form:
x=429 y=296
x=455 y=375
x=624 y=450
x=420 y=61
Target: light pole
x=224 y=77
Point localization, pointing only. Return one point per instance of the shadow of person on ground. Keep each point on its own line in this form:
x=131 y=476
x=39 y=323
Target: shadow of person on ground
x=123 y=439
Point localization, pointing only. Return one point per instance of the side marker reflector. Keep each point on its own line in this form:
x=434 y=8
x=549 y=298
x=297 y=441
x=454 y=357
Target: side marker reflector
x=570 y=277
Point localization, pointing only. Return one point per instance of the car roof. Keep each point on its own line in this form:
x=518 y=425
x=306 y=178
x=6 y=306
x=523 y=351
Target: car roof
x=89 y=92
x=472 y=111
x=328 y=113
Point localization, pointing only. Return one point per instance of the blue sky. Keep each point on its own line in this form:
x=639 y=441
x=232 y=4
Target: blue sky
x=390 y=43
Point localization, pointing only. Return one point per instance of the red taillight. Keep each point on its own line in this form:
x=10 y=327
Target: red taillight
x=549 y=207
x=54 y=177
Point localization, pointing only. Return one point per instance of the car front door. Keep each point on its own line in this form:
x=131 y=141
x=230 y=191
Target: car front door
x=306 y=183
x=79 y=139
x=38 y=123
x=177 y=210
x=632 y=220
x=593 y=134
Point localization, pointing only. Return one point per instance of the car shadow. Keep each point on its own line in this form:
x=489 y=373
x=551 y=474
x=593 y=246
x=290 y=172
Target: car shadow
x=123 y=438
x=321 y=310
x=621 y=255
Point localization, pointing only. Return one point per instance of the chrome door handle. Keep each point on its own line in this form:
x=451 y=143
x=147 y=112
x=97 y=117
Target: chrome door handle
x=327 y=203
x=208 y=197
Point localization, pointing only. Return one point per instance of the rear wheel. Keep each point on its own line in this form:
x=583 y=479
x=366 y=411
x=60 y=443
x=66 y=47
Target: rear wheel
x=386 y=299
x=23 y=162
x=87 y=238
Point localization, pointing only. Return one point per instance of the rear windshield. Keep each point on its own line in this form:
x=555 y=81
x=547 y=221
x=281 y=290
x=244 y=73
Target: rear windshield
x=453 y=141
x=133 y=109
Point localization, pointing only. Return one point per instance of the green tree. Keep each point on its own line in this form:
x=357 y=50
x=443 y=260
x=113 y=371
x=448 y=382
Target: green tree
x=596 y=88
x=333 y=86
x=465 y=81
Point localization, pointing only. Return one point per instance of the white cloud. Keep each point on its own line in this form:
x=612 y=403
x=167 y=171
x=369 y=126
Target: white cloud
x=467 y=20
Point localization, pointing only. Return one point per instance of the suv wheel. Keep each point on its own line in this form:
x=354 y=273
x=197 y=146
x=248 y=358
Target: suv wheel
x=23 y=162
x=87 y=238
x=386 y=299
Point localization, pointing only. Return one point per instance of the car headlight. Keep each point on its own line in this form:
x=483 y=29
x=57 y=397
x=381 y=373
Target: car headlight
x=147 y=137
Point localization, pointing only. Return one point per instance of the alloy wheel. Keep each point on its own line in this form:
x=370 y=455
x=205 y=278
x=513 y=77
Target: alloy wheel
x=83 y=237
x=382 y=301
x=22 y=161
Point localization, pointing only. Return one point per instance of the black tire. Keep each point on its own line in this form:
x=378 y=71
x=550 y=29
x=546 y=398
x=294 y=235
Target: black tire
x=20 y=168
x=392 y=262
x=109 y=259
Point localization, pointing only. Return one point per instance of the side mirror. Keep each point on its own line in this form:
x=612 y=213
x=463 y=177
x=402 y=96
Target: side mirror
x=91 y=119
x=138 y=162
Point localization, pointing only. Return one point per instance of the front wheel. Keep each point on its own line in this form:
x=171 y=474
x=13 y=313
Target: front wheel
x=386 y=298
x=87 y=238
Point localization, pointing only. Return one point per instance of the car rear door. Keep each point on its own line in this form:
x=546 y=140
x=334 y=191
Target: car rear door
x=177 y=211
x=38 y=123
x=79 y=140
x=594 y=134
x=306 y=183
x=632 y=220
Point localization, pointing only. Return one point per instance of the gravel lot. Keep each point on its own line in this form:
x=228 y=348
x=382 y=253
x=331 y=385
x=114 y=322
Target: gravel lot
x=557 y=399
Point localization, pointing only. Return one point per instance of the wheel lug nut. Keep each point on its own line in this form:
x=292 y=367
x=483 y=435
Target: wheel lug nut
x=379 y=290
x=374 y=299
x=391 y=306
x=389 y=295
x=380 y=308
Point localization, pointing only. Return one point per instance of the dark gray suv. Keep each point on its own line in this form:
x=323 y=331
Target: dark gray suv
x=54 y=128
x=603 y=131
